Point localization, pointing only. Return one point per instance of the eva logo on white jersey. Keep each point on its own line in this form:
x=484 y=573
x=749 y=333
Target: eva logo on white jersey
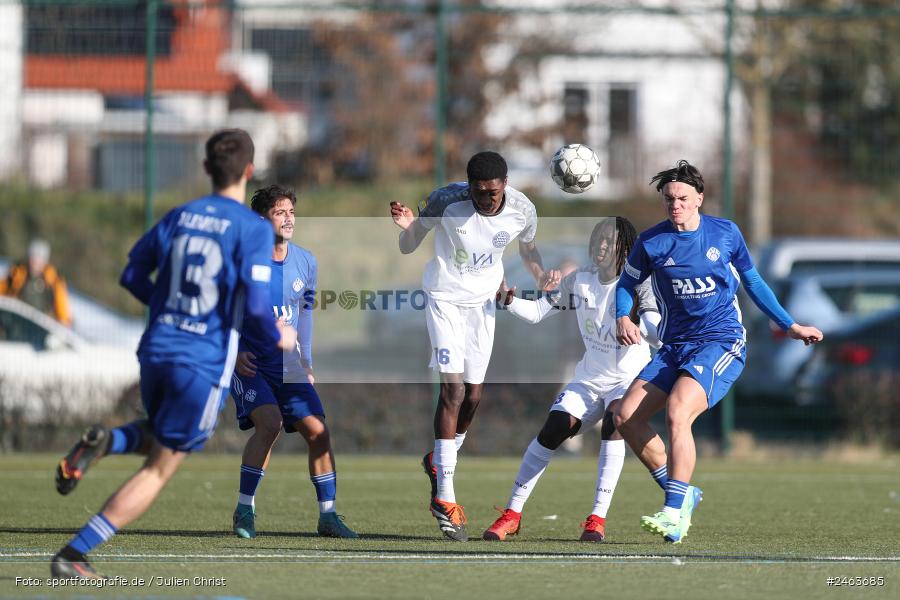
x=691 y=286
x=478 y=259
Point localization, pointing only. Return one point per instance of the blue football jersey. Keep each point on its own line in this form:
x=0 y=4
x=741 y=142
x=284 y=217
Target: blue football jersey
x=694 y=277
x=292 y=289
x=206 y=254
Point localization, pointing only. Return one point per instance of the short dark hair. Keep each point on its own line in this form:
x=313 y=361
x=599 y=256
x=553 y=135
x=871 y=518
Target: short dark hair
x=228 y=152
x=684 y=172
x=626 y=235
x=265 y=198
x=486 y=166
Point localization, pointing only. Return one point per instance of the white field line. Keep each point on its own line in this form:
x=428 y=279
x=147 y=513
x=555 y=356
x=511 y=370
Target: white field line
x=416 y=475
x=326 y=556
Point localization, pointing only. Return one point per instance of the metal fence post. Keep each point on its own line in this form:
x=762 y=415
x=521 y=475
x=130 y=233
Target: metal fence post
x=440 y=101
x=149 y=142
x=727 y=413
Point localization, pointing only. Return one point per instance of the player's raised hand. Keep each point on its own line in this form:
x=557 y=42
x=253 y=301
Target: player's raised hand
x=288 y=335
x=627 y=333
x=245 y=365
x=807 y=333
x=402 y=215
x=550 y=280
x=505 y=294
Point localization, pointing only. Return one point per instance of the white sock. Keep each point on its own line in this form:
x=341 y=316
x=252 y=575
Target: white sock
x=459 y=439
x=445 y=462
x=245 y=499
x=326 y=506
x=609 y=468
x=534 y=461
x=673 y=513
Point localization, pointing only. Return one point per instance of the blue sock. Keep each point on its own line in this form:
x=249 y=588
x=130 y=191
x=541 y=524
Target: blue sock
x=675 y=491
x=250 y=478
x=127 y=438
x=660 y=476
x=97 y=531
x=326 y=490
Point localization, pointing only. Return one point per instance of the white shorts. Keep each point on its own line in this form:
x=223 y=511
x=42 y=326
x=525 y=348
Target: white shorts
x=587 y=400
x=461 y=338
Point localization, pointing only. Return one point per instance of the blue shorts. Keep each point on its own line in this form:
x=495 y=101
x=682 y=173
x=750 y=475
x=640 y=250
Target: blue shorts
x=295 y=400
x=715 y=366
x=182 y=405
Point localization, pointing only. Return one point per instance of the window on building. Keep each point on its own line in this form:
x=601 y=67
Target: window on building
x=623 y=151
x=575 y=114
x=96 y=29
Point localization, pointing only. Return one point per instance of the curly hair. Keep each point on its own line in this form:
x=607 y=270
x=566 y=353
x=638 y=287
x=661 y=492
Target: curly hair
x=486 y=166
x=265 y=198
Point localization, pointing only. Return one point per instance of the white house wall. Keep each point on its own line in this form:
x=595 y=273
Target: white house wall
x=673 y=64
x=11 y=89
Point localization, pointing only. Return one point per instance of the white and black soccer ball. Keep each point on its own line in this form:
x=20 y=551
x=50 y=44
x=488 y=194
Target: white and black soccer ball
x=575 y=168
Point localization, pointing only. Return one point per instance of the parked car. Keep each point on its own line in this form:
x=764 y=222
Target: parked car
x=50 y=373
x=97 y=322
x=870 y=347
x=787 y=264
x=100 y=324
x=831 y=302
x=788 y=257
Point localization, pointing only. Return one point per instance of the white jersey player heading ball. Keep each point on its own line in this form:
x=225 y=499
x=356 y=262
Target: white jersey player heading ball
x=473 y=221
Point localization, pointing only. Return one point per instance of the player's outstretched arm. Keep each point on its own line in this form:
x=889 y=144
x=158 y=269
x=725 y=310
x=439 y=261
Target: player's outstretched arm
x=762 y=295
x=413 y=233
x=531 y=257
x=807 y=333
x=532 y=311
x=764 y=298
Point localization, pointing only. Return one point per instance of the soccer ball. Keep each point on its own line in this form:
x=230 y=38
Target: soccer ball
x=575 y=168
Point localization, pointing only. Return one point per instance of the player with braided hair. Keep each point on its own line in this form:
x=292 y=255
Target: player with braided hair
x=601 y=377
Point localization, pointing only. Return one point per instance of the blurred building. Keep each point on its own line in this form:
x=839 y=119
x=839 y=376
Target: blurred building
x=11 y=90
x=339 y=92
x=643 y=89
x=83 y=104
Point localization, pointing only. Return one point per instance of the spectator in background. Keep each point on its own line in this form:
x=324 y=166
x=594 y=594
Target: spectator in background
x=37 y=283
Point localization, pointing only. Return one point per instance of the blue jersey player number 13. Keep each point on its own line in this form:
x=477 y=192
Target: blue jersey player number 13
x=211 y=259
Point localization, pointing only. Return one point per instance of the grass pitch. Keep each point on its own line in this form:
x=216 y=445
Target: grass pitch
x=762 y=531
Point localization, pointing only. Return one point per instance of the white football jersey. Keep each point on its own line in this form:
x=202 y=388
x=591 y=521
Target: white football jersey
x=467 y=267
x=594 y=303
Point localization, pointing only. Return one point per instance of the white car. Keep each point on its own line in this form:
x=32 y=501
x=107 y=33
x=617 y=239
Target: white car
x=48 y=373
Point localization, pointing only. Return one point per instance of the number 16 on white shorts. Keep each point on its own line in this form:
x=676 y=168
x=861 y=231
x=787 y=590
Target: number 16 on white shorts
x=461 y=337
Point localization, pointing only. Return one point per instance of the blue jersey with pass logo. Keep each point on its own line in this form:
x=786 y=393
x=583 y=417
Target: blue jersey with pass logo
x=694 y=277
x=292 y=289
x=206 y=254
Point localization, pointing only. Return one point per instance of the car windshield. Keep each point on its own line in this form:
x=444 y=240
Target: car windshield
x=864 y=299
x=816 y=267
x=18 y=329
